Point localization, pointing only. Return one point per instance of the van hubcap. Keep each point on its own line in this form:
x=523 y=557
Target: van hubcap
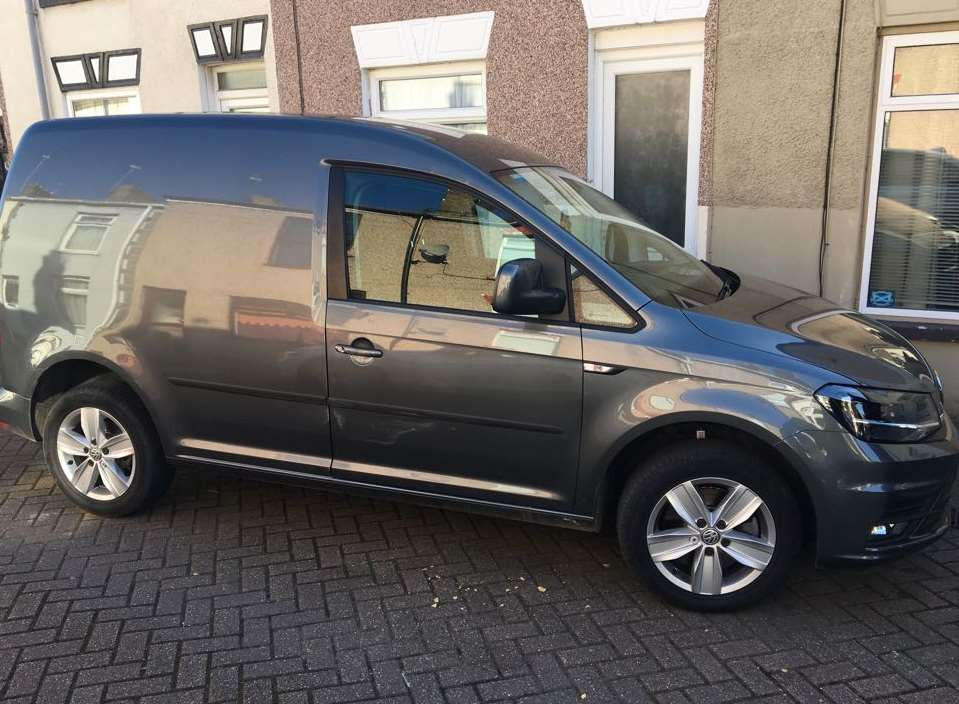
x=711 y=536
x=96 y=454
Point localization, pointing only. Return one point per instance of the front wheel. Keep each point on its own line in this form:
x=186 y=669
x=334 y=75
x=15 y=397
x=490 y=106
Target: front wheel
x=103 y=450
x=709 y=526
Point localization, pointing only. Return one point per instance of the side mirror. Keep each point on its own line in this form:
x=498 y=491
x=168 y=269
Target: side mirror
x=520 y=291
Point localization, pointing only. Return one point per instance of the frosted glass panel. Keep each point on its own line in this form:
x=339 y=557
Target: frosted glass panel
x=652 y=134
x=71 y=72
x=204 y=42
x=433 y=93
x=252 y=36
x=122 y=68
x=241 y=80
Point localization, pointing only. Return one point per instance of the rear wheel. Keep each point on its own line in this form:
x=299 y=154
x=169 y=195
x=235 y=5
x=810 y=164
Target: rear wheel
x=103 y=450
x=709 y=525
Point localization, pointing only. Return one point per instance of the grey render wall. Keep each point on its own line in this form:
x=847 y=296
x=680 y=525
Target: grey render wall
x=775 y=61
x=536 y=65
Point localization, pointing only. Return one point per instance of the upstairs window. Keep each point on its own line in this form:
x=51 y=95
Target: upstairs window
x=912 y=248
x=86 y=233
x=453 y=95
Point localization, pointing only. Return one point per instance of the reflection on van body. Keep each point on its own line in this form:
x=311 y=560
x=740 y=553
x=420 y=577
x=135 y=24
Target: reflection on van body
x=214 y=286
x=411 y=311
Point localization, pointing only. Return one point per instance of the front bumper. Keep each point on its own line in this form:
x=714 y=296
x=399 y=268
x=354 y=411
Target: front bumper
x=15 y=413
x=903 y=491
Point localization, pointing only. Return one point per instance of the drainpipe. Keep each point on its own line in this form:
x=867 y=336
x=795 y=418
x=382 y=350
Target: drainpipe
x=830 y=147
x=36 y=43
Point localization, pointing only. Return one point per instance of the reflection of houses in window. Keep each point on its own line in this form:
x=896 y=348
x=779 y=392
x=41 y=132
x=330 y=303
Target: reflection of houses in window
x=86 y=232
x=73 y=295
x=10 y=291
x=292 y=246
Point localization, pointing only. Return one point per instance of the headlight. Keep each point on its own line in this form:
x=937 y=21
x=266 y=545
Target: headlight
x=880 y=415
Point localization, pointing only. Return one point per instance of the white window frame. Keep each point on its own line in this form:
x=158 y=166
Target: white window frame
x=441 y=116
x=647 y=49
x=222 y=100
x=77 y=221
x=104 y=94
x=886 y=104
x=4 y=280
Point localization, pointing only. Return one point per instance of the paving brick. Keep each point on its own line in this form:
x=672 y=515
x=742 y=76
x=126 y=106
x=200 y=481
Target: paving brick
x=236 y=591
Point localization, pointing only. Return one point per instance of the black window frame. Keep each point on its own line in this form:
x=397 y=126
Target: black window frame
x=236 y=53
x=92 y=80
x=557 y=259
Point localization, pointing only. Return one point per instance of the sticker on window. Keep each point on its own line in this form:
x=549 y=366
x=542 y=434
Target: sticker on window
x=882 y=299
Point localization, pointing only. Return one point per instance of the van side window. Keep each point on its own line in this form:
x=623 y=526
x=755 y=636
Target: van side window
x=425 y=243
x=593 y=306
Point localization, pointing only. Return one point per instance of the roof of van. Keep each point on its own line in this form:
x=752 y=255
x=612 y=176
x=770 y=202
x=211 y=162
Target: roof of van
x=484 y=152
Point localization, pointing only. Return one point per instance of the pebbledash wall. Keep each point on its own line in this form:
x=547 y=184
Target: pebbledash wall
x=785 y=122
x=811 y=143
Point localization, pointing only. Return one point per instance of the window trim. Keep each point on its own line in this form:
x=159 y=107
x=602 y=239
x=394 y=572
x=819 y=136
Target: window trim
x=337 y=281
x=886 y=104
x=92 y=81
x=4 y=280
x=245 y=97
x=104 y=94
x=440 y=116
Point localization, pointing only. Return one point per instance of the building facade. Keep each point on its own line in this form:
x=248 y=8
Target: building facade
x=813 y=143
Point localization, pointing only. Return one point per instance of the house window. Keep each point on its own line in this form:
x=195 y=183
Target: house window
x=912 y=247
x=86 y=233
x=104 y=69
x=240 y=88
x=100 y=103
x=452 y=94
x=73 y=295
x=10 y=291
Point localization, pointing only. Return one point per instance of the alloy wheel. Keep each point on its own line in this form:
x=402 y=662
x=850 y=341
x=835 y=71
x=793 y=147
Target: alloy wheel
x=711 y=536
x=96 y=453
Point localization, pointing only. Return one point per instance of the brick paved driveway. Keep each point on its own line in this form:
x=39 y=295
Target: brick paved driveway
x=243 y=591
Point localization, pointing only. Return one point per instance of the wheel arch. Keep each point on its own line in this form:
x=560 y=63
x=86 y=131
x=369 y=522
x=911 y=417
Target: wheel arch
x=662 y=432
x=61 y=373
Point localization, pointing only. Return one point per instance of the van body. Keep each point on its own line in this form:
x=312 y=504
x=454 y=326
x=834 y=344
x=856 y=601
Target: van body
x=414 y=311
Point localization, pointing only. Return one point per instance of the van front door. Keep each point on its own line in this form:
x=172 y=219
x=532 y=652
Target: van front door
x=430 y=390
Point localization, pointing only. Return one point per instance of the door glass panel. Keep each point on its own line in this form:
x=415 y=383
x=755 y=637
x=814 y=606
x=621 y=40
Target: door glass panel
x=424 y=243
x=926 y=70
x=593 y=306
x=652 y=133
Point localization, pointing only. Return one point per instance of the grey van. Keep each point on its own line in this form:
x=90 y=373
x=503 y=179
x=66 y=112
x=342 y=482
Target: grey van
x=418 y=312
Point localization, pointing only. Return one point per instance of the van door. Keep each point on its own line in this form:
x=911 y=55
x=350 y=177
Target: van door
x=430 y=390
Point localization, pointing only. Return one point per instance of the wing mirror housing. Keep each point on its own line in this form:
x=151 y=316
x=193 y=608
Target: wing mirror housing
x=520 y=290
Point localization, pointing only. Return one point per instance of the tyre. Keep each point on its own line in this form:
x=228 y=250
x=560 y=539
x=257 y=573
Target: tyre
x=103 y=450
x=708 y=525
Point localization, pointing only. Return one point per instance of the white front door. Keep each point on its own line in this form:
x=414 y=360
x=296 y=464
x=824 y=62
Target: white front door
x=647 y=121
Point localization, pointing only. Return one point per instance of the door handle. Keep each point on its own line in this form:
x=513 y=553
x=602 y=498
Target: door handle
x=355 y=351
